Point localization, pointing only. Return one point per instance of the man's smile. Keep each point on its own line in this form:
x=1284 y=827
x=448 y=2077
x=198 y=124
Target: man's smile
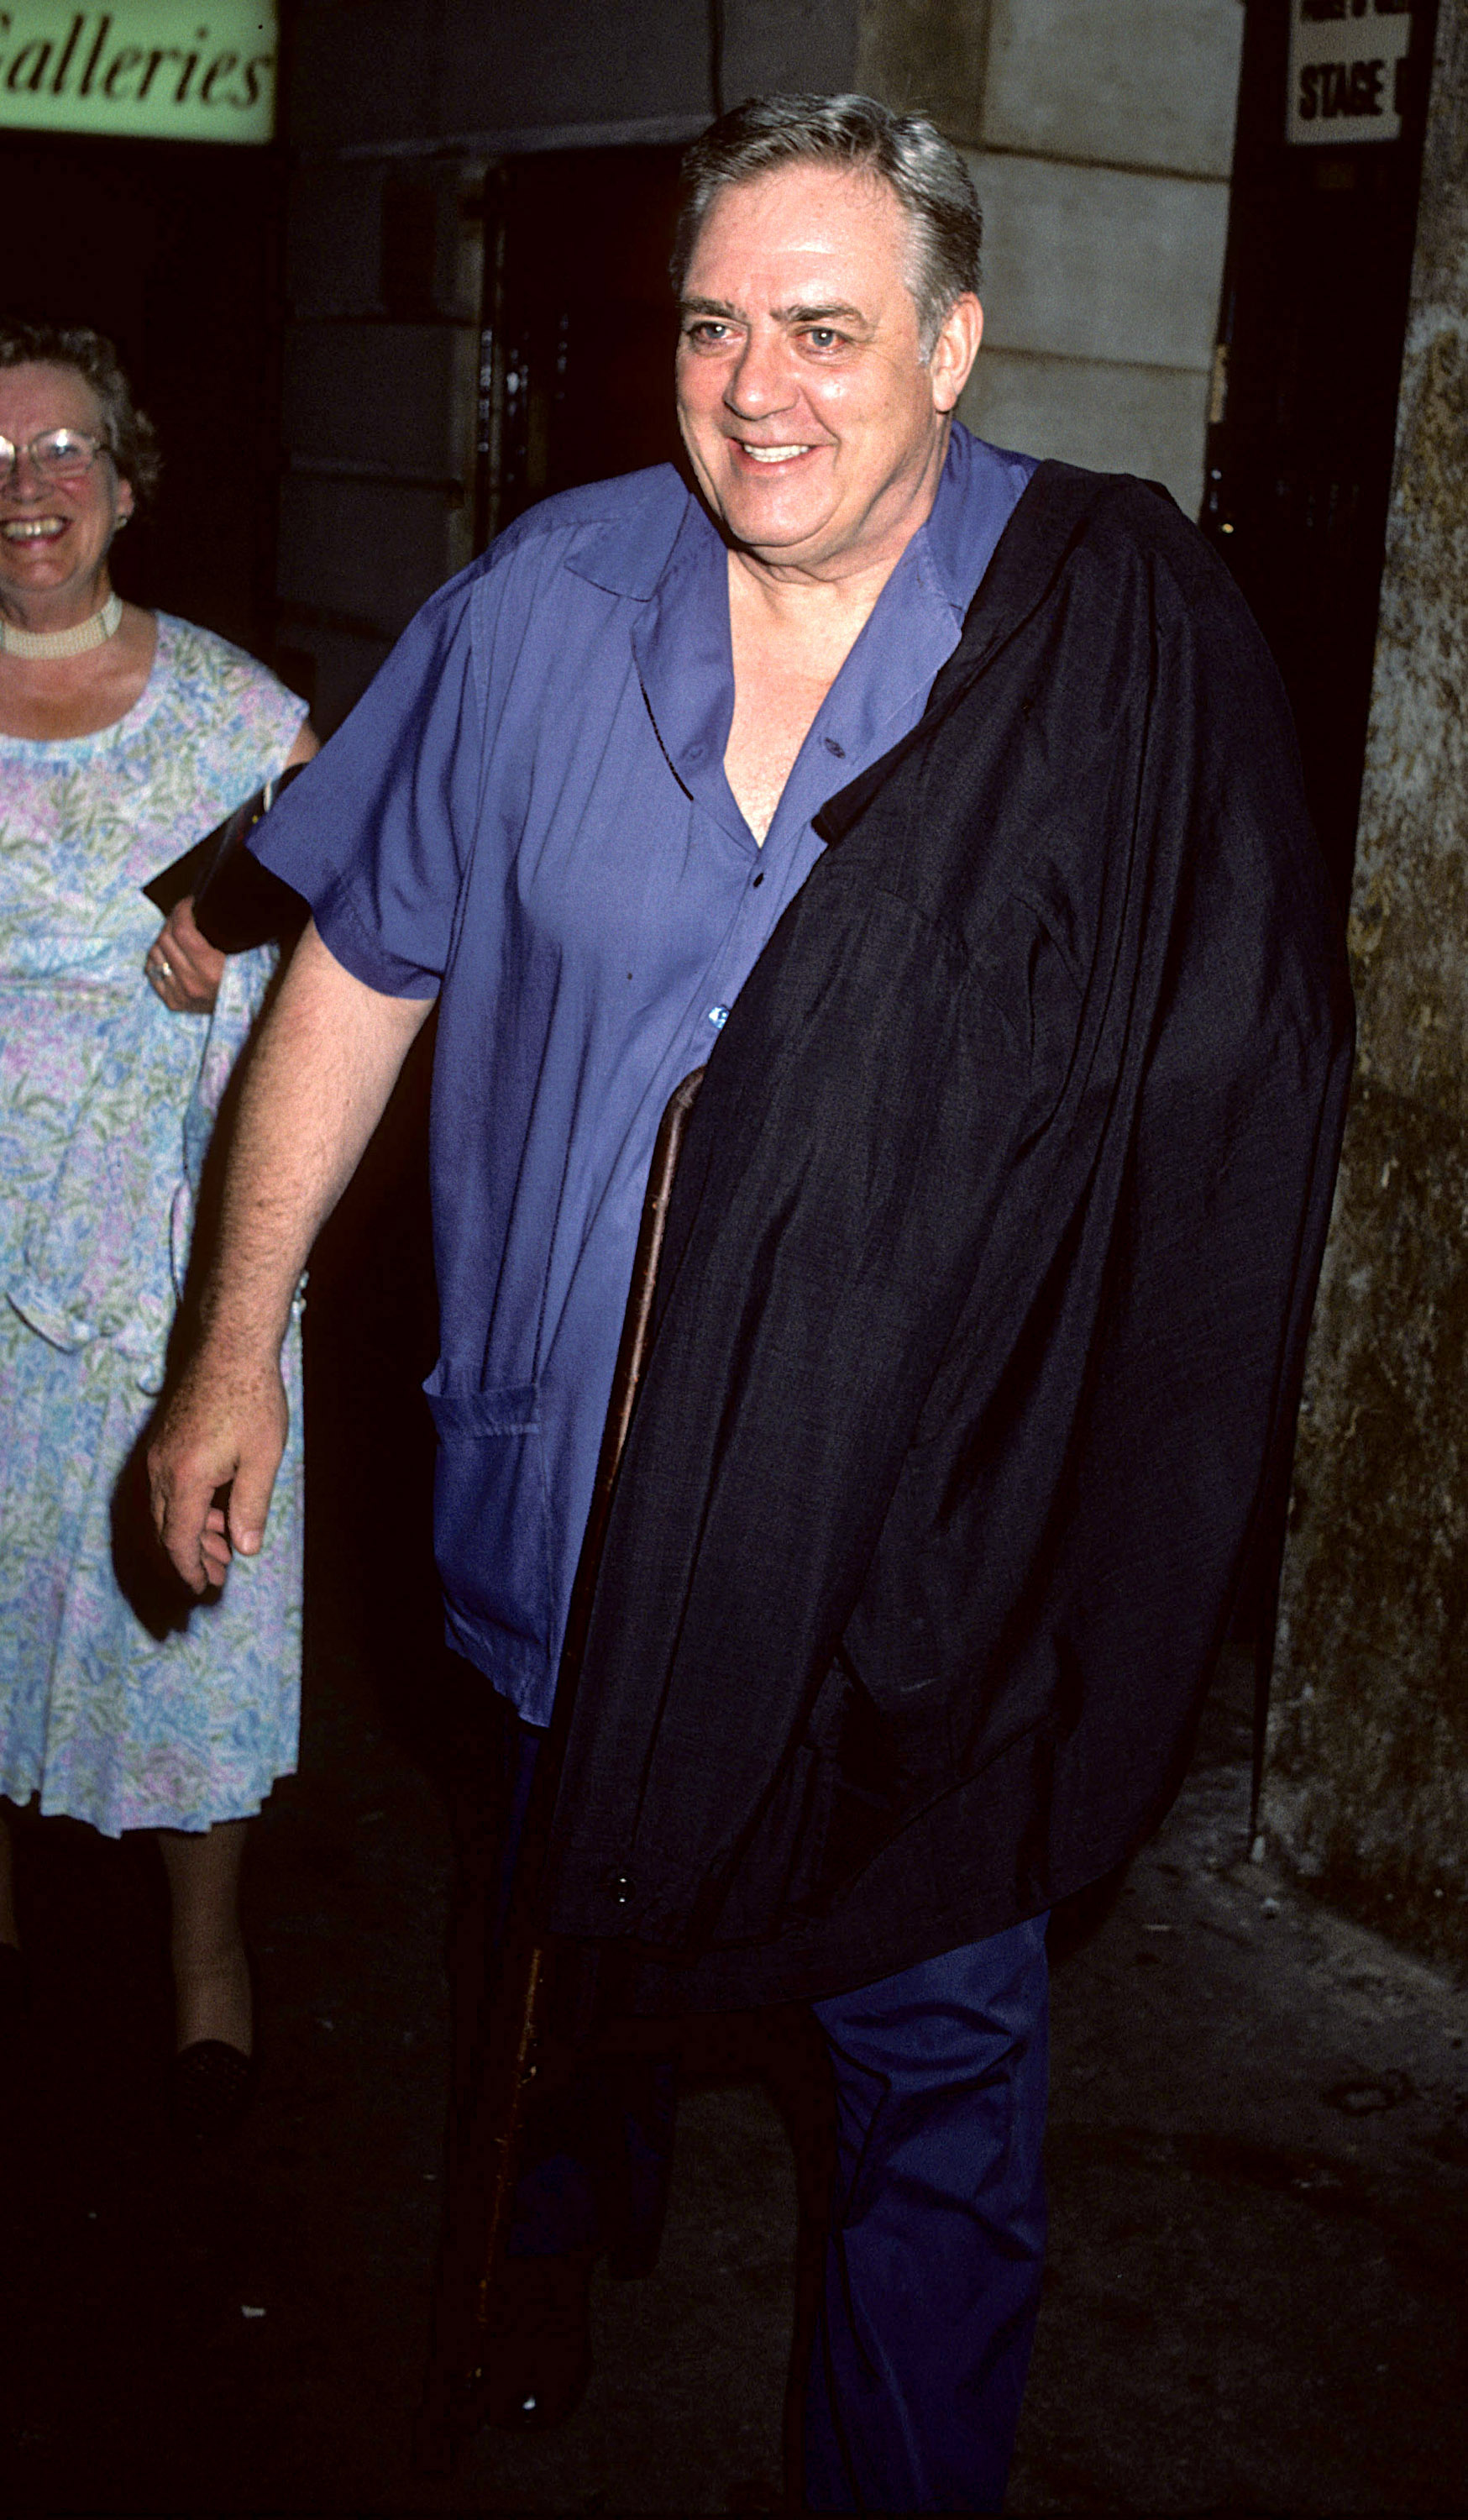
x=33 y=530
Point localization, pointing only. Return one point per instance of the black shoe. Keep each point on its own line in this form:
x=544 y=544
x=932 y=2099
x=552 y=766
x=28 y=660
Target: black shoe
x=210 y=2088
x=539 y=2355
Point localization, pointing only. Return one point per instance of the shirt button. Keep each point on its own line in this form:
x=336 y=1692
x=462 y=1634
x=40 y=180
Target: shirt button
x=718 y=1016
x=832 y=745
x=618 y=1886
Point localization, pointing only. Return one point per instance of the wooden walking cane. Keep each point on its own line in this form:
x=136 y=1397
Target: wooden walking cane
x=456 y=2397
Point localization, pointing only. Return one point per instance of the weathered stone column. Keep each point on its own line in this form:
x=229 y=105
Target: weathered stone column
x=1368 y=1776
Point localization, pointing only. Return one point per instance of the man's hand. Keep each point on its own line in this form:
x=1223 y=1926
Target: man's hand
x=315 y=1086
x=223 y=1428
x=182 y=966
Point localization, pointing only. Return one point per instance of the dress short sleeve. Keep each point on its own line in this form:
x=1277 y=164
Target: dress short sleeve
x=377 y=832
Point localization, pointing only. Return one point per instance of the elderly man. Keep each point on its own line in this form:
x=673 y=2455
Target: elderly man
x=946 y=807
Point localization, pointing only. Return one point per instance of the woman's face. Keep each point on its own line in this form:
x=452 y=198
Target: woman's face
x=54 y=535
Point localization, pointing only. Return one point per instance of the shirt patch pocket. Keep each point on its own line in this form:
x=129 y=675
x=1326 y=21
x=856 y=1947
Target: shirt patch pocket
x=491 y=1517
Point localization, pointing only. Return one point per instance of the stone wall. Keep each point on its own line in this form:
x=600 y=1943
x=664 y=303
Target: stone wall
x=1101 y=140
x=395 y=111
x=1368 y=1775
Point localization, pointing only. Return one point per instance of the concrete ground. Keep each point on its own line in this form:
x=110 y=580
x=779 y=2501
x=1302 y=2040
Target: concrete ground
x=1259 y=2164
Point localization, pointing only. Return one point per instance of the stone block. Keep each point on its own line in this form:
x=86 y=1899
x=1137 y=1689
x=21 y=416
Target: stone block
x=505 y=67
x=362 y=556
x=1152 y=84
x=1087 y=411
x=389 y=397
x=366 y=71
x=785 y=47
x=394 y=236
x=345 y=663
x=333 y=240
x=926 y=57
x=1088 y=263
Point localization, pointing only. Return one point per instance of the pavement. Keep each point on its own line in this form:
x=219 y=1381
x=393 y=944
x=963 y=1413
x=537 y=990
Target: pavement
x=1258 y=2149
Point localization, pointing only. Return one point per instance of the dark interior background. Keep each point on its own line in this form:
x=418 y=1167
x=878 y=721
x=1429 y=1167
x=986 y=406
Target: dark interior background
x=175 y=251
x=579 y=323
x=1299 y=465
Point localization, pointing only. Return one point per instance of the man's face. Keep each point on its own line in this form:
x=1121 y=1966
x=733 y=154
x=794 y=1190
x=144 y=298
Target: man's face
x=813 y=424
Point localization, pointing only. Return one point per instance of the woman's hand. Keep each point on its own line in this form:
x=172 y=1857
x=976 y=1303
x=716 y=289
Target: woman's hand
x=182 y=966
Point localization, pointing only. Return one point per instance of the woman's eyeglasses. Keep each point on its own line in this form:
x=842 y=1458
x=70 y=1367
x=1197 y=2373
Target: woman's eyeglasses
x=57 y=455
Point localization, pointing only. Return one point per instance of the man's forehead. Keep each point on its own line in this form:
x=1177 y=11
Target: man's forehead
x=806 y=243
x=806 y=208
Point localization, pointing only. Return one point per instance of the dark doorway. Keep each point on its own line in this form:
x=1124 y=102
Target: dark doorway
x=576 y=369
x=1305 y=390
x=173 y=251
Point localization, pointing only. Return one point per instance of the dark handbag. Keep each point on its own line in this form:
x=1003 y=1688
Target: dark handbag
x=237 y=902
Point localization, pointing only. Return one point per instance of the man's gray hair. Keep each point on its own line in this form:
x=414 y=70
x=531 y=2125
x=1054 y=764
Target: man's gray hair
x=907 y=151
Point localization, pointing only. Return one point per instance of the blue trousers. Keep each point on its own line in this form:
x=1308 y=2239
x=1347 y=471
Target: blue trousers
x=933 y=2266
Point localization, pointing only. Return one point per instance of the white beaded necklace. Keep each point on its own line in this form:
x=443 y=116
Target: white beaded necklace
x=41 y=644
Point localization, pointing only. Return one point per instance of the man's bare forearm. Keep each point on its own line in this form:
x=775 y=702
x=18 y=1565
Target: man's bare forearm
x=318 y=1079
x=317 y=1084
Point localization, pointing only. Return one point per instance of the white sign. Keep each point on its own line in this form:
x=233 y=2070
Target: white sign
x=143 y=69
x=1347 y=68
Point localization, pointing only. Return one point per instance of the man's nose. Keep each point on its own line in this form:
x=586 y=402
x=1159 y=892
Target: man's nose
x=761 y=382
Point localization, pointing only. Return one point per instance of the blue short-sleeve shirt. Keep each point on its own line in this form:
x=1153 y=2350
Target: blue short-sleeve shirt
x=528 y=815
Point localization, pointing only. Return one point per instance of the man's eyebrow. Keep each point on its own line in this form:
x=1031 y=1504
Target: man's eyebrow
x=721 y=308
x=821 y=314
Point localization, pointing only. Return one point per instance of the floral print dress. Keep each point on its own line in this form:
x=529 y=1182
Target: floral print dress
x=117 y=1705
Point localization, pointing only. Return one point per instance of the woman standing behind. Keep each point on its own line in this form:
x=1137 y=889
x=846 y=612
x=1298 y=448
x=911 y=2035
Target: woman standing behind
x=124 y=735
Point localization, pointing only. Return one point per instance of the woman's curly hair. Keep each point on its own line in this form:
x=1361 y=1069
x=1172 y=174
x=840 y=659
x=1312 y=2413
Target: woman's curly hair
x=130 y=436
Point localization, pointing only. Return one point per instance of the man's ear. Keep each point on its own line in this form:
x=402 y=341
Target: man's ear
x=956 y=351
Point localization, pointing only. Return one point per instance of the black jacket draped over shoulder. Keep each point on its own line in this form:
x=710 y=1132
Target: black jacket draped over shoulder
x=982 y=1310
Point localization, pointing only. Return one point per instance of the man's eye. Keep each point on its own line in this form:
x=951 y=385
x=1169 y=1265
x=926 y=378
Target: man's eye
x=709 y=333
x=823 y=336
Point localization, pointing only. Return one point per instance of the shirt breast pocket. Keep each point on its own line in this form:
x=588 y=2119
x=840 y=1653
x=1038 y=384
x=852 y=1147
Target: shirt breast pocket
x=491 y=1519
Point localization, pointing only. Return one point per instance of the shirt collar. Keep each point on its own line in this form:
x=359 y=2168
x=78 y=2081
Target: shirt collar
x=680 y=641
x=626 y=549
x=978 y=493
x=680 y=644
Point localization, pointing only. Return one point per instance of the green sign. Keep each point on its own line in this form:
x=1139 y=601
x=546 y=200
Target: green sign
x=156 y=69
